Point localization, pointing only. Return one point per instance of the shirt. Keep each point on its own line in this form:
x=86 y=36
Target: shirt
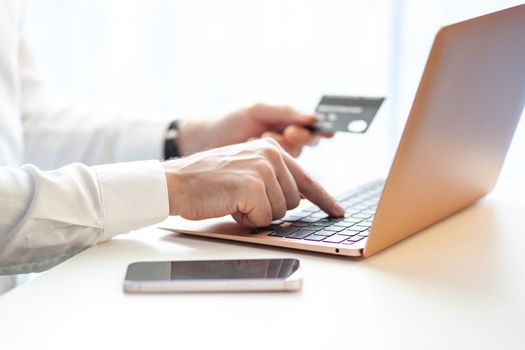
x=46 y=216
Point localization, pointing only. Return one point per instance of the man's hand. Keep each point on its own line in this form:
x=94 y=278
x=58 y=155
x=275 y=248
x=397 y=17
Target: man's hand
x=283 y=124
x=255 y=182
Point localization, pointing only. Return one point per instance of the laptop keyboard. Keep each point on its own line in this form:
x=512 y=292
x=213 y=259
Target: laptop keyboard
x=312 y=224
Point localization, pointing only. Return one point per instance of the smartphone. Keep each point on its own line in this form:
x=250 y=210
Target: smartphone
x=213 y=276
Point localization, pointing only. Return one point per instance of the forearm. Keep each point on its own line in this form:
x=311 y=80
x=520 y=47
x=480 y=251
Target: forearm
x=48 y=216
x=58 y=136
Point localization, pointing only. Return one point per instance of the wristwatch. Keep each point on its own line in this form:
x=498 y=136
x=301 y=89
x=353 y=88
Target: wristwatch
x=170 y=143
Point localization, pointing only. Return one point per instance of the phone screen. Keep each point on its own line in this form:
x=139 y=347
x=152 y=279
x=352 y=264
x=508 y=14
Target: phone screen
x=212 y=269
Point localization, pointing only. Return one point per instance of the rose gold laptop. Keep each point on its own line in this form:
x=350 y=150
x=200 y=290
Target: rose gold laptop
x=466 y=109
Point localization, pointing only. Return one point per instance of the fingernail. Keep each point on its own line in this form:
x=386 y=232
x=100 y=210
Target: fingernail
x=338 y=210
x=309 y=119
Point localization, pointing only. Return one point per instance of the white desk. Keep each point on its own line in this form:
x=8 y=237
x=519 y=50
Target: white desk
x=459 y=284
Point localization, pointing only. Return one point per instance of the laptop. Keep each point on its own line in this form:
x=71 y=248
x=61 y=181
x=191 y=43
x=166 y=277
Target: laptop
x=455 y=140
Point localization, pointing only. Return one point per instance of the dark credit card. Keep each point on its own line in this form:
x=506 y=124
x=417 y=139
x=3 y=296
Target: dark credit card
x=345 y=113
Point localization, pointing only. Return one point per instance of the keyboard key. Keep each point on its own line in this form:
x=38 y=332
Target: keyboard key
x=325 y=233
x=302 y=233
x=349 y=226
x=276 y=234
x=309 y=219
x=284 y=232
x=312 y=209
x=349 y=203
x=321 y=224
x=352 y=231
x=349 y=233
x=364 y=233
x=361 y=216
x=333 y=219
x=319 y=215
x=300 y=224
x=361 y=227
x=341 y=224
x=277 y=222
x=352 y=220
x=356 y=238
x=292 y=218
x=334 y=228
x=368 y=212
x=303 y=213
x=336 y=239
x=281 y=226
x=314 y=237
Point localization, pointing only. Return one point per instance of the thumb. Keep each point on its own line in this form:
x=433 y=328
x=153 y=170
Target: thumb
x=281 y=116
x=305 y=119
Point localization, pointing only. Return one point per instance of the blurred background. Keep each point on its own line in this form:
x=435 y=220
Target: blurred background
x=202 y=58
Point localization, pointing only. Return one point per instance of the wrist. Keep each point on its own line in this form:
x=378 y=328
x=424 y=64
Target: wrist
x=194 y=136
x=172 y=183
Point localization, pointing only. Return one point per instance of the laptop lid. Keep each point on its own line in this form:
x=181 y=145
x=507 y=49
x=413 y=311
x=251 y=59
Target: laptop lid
x=465 y=112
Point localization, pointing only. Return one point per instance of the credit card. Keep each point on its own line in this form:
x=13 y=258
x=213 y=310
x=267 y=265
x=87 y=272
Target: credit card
x=346 y=113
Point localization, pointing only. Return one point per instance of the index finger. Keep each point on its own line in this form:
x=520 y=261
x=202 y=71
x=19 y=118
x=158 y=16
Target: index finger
x=312 y=190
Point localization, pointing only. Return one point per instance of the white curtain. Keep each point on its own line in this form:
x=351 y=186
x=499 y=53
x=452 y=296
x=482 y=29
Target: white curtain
x=201 y=58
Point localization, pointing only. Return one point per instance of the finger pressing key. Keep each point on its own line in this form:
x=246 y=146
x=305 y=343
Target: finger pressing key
x=312 y=190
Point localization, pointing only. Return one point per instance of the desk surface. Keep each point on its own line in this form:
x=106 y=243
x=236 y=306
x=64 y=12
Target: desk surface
x=458 y=284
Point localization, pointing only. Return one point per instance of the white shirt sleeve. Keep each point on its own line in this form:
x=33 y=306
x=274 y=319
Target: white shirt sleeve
x=49 y=216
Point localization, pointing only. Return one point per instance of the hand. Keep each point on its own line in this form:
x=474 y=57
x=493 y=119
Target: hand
x=283 y=124
x=255 y=182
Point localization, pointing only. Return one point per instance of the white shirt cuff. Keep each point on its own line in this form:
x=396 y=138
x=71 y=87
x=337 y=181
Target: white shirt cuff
x=134 y=195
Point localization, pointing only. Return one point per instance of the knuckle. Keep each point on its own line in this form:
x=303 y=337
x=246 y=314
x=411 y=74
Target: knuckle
x=272 y=153
x=266 y=220
x=294 y=201
x=261 y=217
x=270 y=142
x=264 y=169
x=280 y=212
x=271 y=149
